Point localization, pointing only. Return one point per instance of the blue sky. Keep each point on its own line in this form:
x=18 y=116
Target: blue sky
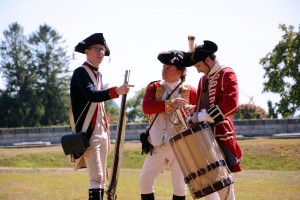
x=137 y=30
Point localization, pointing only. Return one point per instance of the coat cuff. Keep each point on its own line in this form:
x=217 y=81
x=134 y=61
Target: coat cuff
x=216 y=114
x=112 y=92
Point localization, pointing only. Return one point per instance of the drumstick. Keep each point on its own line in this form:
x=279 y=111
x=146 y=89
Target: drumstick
x=191 y=40
x=180 y=117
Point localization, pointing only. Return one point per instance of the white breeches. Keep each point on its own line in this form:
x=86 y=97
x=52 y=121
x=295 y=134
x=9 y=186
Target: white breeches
x=95 y=158
x=155 y=164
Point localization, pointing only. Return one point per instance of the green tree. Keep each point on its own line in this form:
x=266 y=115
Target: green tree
x=6 y=109
x=35 y=69
x=134 y=107
x=52 y=64
x=20 y=76
x=272 y=113
x=282 y=73
x=250 y=111
x=112 y=110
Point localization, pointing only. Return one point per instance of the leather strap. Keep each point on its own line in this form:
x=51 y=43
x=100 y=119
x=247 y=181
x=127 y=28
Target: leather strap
x=91 y=110
x=166 y=99
x=93 y=106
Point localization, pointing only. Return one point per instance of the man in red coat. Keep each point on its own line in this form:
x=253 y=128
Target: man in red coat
x=217 y=101
x=162 y=98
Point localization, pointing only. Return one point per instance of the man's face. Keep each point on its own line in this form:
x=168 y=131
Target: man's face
x=202 y=67
x=95 y=54
x=170 y=73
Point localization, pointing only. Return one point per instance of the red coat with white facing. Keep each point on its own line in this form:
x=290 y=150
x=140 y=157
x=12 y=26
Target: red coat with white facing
x=152 y=105
x=223 y=103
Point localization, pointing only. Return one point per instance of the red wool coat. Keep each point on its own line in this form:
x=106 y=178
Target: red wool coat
x=223 y=103
x=151 y=105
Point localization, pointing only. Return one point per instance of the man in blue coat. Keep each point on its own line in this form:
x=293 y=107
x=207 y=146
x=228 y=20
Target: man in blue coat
x=87 y=98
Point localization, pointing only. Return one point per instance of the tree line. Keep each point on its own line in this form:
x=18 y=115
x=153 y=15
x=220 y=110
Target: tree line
x=35 y=68
x=37 y=75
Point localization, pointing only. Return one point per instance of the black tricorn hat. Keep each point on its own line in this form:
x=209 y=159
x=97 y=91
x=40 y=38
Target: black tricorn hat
x=201 y=52
x=96 y=38
x=173 y=57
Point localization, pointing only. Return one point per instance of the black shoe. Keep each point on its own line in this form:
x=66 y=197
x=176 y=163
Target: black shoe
x=147 y=196
x=95 y=194
x=178 y=197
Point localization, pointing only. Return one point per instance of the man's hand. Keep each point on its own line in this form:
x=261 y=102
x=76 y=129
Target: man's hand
x=179 y=102
x=199 y=117
x=192 y=119
x=188 y=109
x=123 y=89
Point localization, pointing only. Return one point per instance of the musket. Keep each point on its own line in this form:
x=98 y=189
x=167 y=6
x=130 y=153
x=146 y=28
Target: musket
x=120 y=136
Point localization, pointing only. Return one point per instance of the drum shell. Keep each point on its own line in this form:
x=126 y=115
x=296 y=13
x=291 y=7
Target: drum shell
x=201 y=160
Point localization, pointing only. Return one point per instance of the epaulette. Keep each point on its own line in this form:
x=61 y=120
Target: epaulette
x=152 y=83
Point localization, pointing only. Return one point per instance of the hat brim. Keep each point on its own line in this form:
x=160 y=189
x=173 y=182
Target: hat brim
x=172 y=57
x=96 y=38
x=82 y=47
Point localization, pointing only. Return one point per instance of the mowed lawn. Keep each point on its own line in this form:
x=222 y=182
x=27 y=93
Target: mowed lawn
x=271 y=171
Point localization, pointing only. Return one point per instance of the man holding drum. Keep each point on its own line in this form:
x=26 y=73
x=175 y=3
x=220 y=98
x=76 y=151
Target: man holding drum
x=163 y=98
x=217 y=101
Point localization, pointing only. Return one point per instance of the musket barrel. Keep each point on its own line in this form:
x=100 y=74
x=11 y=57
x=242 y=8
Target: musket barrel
x=120 y=137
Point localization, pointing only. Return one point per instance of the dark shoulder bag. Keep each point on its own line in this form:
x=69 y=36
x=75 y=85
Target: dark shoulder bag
x=146 y=145
x=75 y=143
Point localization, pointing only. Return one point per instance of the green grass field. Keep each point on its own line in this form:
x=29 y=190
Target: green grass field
x=271 y=171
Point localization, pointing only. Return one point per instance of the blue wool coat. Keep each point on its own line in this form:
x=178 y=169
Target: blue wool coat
x=82 y=91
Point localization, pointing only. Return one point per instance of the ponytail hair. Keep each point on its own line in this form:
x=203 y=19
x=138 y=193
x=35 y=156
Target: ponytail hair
x=183 y=72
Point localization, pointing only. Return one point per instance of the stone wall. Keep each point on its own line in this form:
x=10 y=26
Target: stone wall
x=269 y=127
x=247 y=128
